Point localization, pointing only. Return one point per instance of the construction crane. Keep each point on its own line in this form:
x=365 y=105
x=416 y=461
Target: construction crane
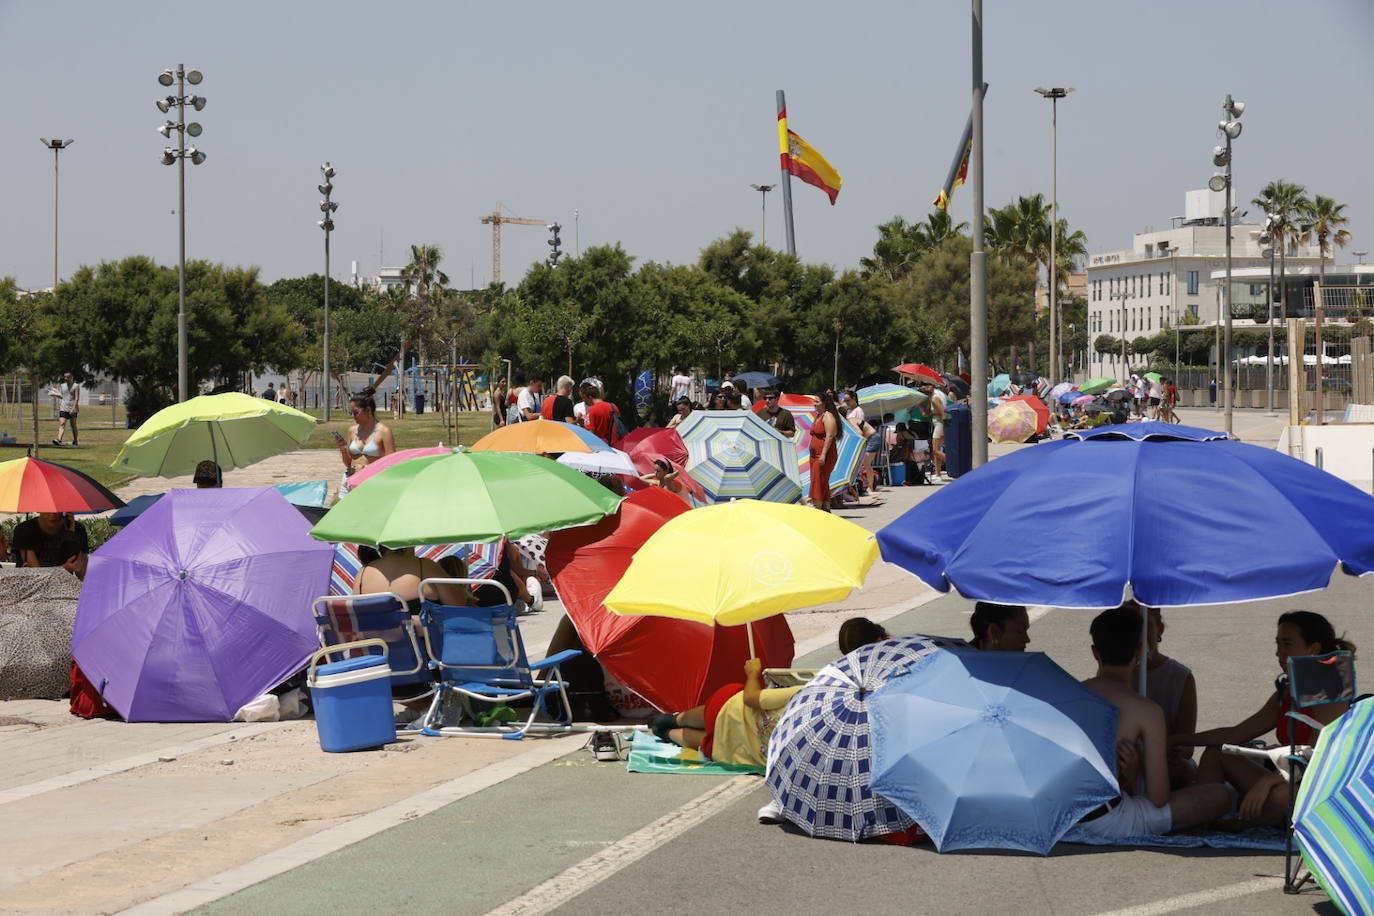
x=496 y=219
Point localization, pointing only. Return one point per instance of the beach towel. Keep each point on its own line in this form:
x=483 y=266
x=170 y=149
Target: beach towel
x=650 y=755
x=1268 y=839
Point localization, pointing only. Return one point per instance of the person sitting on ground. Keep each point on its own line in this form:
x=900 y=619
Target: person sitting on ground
x=1171 y=684
x=735 y=723
x=682 y=409
x=208 y=476
x=1145 y=806
x=1264 y=793
x=663 y=475
x=1000 y=627
x=52 y=539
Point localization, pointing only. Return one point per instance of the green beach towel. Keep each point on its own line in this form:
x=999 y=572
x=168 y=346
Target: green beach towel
x=650 y=755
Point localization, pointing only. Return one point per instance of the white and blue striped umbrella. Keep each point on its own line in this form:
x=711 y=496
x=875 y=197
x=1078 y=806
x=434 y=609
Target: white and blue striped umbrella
x=735 y=455
x=1334 y=818
x=877 y=400
x=820 y=755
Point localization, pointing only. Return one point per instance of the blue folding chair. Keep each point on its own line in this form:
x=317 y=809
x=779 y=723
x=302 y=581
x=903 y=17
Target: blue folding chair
x=342 y=619
x=478 y=656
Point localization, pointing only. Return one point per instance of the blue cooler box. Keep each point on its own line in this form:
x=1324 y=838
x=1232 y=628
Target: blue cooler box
x=352 y=700
x=896 y=474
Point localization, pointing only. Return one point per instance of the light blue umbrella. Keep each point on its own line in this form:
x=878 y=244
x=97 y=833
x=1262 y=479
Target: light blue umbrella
x=735 y=455
x=998 y=385
x=993 y=750
x=819 y=757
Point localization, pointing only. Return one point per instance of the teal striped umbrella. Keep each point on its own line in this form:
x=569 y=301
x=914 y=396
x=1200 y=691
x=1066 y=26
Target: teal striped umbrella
x=1334 y=817
x=877 y=400
x=735 y=455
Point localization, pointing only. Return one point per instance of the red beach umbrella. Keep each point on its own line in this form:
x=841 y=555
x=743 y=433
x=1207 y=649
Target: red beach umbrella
x=649 y=442
x=674 y=664
x=920 y=370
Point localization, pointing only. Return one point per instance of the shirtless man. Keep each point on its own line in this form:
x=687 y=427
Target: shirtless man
x=1146 y=806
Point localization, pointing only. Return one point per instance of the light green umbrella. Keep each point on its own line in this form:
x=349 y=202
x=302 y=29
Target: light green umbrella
x=1154 y=376
x=232 y=429
x=1097 y=385
x=465 y=497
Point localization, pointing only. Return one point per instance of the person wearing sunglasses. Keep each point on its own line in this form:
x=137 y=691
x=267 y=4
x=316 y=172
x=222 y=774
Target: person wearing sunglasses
x=780 y=418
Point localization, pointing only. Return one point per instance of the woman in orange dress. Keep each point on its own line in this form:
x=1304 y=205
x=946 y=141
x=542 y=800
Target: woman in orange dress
x=825 y=433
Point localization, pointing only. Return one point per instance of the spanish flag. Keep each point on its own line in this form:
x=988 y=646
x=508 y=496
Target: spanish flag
x=800 y=158
x=960 y=176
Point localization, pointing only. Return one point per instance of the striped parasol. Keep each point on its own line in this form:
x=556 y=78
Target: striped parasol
x=877 y=400
x=1334 y=817
x=851 y=449
x=733 y=454
x=481 y=559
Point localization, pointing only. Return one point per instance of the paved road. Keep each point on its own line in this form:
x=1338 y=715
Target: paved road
x=576 y=836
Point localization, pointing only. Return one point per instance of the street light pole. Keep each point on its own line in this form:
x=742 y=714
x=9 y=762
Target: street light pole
x=1054 y=95
x=327 y=207
x=763 y=190
x=56 y=146
x=978 y=260
x=181 y=76
x=1267 y=237
x=1230 y=128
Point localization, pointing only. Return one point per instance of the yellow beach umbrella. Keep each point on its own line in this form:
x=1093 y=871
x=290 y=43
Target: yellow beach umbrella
x=741 y=561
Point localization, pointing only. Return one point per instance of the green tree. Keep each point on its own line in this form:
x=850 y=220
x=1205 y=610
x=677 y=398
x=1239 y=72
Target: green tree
x=900 y=244
x=1323 y=219
x=419 y=312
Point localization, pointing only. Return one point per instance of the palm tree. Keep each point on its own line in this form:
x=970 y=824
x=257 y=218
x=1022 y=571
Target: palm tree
x=1324 y=219
x=1285 y=203
x=938 y=227
x=427 y=289
x=898 y=247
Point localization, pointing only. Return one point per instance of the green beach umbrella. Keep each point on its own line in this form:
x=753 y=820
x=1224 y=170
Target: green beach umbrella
x=1154 y=376
x=467 y=497
x=232 y=429
x=1096 y=385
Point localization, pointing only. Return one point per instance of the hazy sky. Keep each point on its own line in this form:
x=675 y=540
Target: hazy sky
x=651 y=119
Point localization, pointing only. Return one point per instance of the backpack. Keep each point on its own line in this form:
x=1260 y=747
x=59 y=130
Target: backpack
x=619 y=429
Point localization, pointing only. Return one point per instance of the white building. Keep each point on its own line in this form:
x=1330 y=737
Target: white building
x=1172 y=273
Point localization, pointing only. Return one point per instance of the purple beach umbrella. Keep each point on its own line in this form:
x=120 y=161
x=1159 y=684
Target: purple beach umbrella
x=200 y=605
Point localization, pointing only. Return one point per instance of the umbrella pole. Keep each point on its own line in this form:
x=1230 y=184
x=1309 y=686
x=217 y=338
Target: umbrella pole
x=749 y=632
x=1144 y=646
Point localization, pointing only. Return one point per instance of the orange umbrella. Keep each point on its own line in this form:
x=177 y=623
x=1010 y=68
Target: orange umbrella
x=540 y=437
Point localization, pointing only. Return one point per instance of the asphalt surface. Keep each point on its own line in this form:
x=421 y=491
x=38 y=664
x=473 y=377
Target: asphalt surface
x=576 y=836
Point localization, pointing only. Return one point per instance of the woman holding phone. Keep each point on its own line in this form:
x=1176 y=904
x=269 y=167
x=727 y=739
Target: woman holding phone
x=368 y=438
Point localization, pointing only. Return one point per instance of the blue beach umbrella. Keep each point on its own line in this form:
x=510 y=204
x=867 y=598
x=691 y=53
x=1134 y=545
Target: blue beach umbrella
x=998 y=385
x=1334 y=818
x=735 y=455
x=756 y=380
x=993 y=750
x=819 y=757
x=1171 y=521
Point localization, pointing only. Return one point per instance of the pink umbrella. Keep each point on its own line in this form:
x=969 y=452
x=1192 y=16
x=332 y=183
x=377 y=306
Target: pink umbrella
x=1086 y=399
x=381 y=464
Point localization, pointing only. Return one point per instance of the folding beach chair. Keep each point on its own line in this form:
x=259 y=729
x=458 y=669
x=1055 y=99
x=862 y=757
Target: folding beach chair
x=478 y=657
x=343 y=619
x=1312 y=680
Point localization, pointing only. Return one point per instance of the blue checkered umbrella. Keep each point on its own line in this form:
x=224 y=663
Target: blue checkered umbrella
x=735 y=455
x=819 y=757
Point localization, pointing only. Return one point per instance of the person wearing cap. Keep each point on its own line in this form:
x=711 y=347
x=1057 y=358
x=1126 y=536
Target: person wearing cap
x=207 y=476
x=780 y=418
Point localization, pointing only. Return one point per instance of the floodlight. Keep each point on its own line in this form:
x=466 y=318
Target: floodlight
x=166 y=77
x=1230 y=128
x=326 y=224
x=194 y=77
x=168 y=156
x=1266 y=253
x=328 y=206
x=1265 y=238
x=194 y=129
x=326 y=189
x=1233 y=108
x=165 y=105
x=1219 y=156
x=197 y=157
x=1217 y=182
x=328 y=170
x=167 y=128
x=196 y=101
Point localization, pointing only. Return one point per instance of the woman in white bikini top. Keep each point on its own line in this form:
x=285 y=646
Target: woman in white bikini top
x=368 y=439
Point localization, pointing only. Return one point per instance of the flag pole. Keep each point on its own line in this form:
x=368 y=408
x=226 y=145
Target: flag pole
x=786 y=175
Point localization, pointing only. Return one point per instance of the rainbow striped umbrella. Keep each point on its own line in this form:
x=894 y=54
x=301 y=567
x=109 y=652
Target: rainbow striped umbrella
x=1333 y=821
x=735 y=455
x=31 y=485
x=851 y=450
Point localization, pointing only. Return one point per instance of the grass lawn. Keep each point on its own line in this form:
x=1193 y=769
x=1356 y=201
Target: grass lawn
x=101 y=441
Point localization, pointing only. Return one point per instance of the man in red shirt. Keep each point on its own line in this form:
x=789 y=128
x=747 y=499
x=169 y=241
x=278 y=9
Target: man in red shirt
x=600 y=414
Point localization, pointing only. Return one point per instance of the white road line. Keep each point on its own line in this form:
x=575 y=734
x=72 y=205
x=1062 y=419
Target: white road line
x=591 y=871
x=86 y=774
x=1200 y=898
x=308 y=849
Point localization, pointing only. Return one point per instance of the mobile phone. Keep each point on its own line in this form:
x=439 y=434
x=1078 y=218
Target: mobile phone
x=337 y=437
